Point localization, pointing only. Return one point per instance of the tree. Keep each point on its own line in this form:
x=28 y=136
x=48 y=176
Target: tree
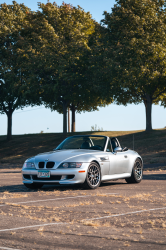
x=84 y=90
x=136 y=47
x=13 y=77
x=163 y=101
x=61 y=63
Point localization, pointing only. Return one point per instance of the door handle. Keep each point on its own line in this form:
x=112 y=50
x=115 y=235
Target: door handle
x=125 y=156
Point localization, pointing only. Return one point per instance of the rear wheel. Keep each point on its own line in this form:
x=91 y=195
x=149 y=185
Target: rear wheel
x=137 y=172
x=33 y=185
x=93 y=177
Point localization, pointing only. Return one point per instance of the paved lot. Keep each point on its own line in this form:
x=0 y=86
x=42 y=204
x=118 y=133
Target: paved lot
x=115 y=216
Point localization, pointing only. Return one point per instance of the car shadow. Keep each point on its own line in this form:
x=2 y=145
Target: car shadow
x=22 y=189
x=61 y=188
x=112 y=183
x=76 y=187
x=13 y=189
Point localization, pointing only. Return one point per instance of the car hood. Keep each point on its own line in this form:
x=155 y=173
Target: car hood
x=58 y=156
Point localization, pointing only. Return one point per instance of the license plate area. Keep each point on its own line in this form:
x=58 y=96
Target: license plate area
x=43 y=174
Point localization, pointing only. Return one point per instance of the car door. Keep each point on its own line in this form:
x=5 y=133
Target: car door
x=112 y=159
x=119 y=161
x=121 y=164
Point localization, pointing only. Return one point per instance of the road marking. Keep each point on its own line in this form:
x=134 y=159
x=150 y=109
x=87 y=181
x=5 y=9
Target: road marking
x=70 y=197
x=117 y=215
x=66 y=223
x=6 y=248
x=41 y=225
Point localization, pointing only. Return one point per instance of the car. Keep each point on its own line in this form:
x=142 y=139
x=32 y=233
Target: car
x=83 y=159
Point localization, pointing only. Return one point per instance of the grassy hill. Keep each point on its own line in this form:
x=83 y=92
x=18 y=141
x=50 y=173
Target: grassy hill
x=151 y=146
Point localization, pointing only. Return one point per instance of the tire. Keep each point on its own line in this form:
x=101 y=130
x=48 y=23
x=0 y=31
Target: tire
x=137 y=172
x=93 y=177
x=33 y=185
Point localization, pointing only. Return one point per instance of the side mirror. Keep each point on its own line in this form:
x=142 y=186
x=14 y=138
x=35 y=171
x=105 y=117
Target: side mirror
x=117 y=149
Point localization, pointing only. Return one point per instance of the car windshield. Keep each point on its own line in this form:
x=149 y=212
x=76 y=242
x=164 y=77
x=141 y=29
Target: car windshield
x=84 y=142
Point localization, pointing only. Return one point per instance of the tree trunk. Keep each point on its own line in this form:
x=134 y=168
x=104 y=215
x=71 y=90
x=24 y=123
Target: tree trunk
x=69 y=120
x=148 y=111
x=9 y=125
x=65 y=118
x=73 y=128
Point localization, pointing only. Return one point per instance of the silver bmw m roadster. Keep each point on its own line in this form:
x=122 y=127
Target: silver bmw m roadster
x=85 y=159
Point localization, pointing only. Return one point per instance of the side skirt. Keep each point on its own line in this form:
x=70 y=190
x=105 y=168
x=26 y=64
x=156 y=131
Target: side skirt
x=115 y=176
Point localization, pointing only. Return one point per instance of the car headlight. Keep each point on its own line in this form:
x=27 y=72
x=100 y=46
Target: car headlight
x=70 y=165
x=29 y=165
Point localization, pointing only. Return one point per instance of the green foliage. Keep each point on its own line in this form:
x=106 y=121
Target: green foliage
x=65 y=63
x=48 y=57
x=163 y=100
x=13 y=76
x=60 y=42
x=136 y=48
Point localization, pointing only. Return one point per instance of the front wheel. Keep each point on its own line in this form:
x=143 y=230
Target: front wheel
x=93 y=177
x=33 y=185
x=137 y=172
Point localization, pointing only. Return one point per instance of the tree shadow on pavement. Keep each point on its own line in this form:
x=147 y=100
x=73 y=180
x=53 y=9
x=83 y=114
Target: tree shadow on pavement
x=154 y=177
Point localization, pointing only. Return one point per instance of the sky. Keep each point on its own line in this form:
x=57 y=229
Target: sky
x=111 y=118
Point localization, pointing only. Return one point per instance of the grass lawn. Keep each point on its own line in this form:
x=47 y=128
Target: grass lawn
x=151 y=146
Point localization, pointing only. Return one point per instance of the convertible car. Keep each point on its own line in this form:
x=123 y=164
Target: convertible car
x=85 y=159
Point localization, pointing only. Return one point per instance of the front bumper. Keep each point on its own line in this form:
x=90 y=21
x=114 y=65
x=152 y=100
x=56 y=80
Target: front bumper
x=60 y=176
